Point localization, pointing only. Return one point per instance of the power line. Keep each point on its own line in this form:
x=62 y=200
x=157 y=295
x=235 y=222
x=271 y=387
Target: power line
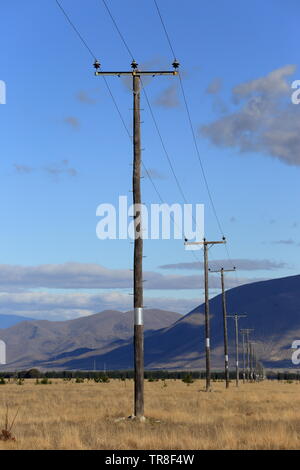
x=150 y=107
x=151 y=111
x=115 y=102
x=165 y=29
x=168 y=158
x=199 y=157
x=75 y=29
x=118 y=30
x=191 y=124
x=164 y=146
x=108 y=89
x=209 y=192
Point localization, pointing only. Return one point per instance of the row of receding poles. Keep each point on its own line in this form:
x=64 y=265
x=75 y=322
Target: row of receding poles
x=249 y=371
x=138 y=250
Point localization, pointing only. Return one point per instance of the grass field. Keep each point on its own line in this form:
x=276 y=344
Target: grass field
x=67 y=415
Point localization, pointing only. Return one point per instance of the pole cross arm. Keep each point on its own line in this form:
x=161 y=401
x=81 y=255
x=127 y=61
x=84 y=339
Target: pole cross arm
x=204 y=242
x=139 y=72
x=222 y=270
x=238 y=316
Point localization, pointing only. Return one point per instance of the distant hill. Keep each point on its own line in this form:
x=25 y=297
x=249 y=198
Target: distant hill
x=172 y=341
x=42 y=342
x=9 y=320
x=272 y=307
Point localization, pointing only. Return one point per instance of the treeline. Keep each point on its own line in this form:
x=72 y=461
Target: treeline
x=129 y=374
x=112 y=374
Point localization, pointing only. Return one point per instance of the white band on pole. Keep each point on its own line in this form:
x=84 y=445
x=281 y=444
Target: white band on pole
x=226 y=357
x=138 y=316
x=207 y=342
x=237 y=363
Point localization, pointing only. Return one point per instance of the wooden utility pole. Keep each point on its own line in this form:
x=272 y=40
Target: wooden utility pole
x=252 y=367
x=138 y=236
x=243 y=333
x=206 y=244
x=222 y=271
x=236 y=323
x=247 y=333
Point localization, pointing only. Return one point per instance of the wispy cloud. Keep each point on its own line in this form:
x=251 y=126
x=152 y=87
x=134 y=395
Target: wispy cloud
x=241 y=264
x=84 y=97
x=72 y=121
x=22 y=169
x=288 y=241
x=264 y=121
x=56 y=306
x=53 y=169
x=214 y=86
x=168 y=98
x=60 y=168
x=94 y=276
x=47 y=291
x=154 y=174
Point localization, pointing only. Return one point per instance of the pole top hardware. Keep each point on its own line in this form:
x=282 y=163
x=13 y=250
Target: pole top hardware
x=134 y=65
x=175 y=64
x=97 y=64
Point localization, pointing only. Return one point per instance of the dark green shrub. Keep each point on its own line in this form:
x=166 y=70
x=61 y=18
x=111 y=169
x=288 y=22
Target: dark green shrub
x=79 y=380
x=45 y=381
x=188 y=379
x=20 y=381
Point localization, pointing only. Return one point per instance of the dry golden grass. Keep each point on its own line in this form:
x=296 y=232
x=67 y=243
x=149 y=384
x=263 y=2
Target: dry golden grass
x=66 y=415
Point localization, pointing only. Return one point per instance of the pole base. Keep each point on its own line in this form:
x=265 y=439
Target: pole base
x=141 y=419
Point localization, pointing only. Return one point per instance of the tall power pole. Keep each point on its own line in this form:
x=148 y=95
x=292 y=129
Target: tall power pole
x=236 y=324
x=206 y=244
x=222 y=271
x=138 y=237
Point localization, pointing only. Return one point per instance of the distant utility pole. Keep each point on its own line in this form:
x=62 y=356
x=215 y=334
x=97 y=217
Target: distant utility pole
x=252 y=354
x=222 y=271
x=138 y=238
x=247 y=333
x=206 y=245
x=236 y=323
x=243 y=333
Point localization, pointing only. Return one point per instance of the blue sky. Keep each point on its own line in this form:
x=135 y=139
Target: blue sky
x=64 y=150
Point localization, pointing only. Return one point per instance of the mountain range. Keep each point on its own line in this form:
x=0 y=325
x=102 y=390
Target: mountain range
x=172 y=341
x=42 y=343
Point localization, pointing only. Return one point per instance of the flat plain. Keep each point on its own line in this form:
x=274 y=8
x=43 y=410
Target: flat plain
x=69 y=415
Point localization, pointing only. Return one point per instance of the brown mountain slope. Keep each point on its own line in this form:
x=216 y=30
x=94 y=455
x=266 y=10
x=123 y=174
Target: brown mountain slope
x=31 y=342
x=272 y=309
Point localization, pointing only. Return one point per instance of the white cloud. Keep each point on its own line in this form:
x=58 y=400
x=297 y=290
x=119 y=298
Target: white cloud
x=28 y=290
x=86 y=276
x=92 y=276
x=266 y=121
x=272 y=84
x=53 y=306
x=241 y=264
